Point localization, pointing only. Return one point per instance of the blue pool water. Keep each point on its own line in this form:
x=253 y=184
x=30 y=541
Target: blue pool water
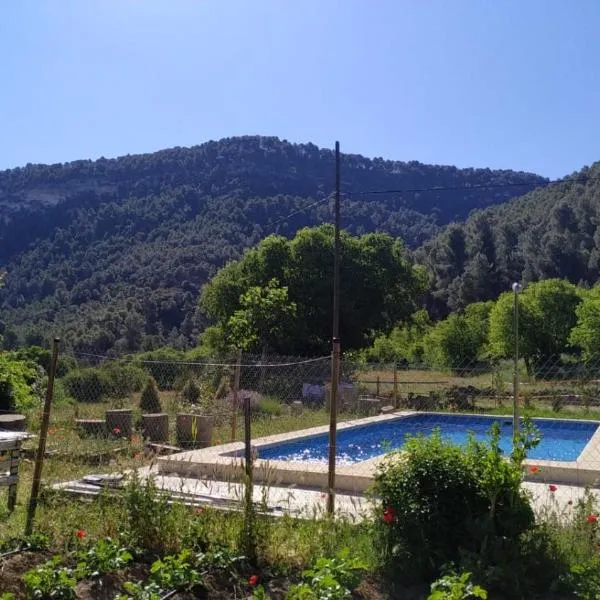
x=562 y=440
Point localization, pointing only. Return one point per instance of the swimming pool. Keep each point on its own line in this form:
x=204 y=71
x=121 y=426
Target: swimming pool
x=562 y=440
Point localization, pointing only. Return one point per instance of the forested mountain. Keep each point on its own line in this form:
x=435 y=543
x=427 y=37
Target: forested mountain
x=553 y=231
x=112 y=254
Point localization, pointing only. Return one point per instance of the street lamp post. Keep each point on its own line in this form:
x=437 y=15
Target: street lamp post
x=516 y=288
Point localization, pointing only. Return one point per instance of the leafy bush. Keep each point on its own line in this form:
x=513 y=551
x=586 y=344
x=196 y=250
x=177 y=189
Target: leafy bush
x=270 y=407
x=191 y=392
x=165 y=365
x=584 y=579
x=166 y=574
x=104 y=557
x=87 y=385
x=439 y=502
x=50 y=581
x=456 y=587
x=150 y=399
x=328 y=579
x=124 y=379
x=20 y=385
x=152 y=523
x=114 y=380
x=43 y=357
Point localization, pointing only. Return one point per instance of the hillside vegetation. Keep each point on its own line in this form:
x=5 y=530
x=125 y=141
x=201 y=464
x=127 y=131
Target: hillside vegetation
x=550 y=232
x=112 y=254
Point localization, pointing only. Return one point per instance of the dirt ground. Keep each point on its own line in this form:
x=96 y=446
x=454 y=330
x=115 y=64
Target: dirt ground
x=108 y=586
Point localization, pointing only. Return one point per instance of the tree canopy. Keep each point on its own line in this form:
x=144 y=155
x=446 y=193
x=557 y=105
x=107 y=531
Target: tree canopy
x=379 y=287
x=551 y=232
x=547 y=314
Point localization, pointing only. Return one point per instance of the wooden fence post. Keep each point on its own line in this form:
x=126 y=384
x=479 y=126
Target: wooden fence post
x=39 y=461
x=396 y=403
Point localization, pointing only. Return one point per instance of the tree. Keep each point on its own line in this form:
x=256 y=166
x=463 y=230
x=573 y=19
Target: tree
x=586 y=333
x=19 y=383
x=264 y=316
x=403 y=344
x=460 y=340
x=379 y=287
x=546 y=317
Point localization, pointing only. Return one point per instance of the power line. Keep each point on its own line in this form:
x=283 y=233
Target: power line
x=472 y=187
x=300 y=210
x=441 y=188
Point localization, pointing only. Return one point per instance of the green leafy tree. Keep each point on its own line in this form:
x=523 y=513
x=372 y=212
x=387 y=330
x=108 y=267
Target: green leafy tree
x=460 y=340
x=404 y=343
x=379 y=287
x=20 y=384
x=264 y=316
x=586 y=333
x=547 y=314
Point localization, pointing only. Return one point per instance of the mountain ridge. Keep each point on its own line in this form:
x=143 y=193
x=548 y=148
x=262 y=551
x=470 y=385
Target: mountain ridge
x=112 y=253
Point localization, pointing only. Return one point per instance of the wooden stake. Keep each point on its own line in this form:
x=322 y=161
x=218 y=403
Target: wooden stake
x=39 y=461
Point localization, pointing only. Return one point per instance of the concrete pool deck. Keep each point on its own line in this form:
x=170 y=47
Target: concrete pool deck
x=301 y=502
x=219 y=463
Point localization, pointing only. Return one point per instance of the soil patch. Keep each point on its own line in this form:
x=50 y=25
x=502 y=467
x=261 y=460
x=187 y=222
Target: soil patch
x=14 y=566
x=106 y=587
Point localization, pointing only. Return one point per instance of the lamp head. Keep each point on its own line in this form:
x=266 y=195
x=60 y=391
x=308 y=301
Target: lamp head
x=516 y=287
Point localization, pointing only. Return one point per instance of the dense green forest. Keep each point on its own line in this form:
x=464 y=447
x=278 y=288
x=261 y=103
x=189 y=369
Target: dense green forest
x=112 y=254
x=550 y=232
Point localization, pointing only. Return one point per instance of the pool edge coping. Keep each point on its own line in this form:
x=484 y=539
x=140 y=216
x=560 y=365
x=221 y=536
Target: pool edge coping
x=219 y=462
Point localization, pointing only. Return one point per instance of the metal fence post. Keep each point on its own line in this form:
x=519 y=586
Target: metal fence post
x=249 y=541
x=234 y=393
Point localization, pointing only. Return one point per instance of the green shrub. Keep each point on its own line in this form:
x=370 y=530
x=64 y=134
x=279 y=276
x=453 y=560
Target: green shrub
x=43 y=357
x=438 y=502
x=328 y=579
x=87 y=385
x=22 y=385
x=191 y=392
x=584 y=579
x=270 y=407
x=105 y=556
x=50 y=580
x=165 y=365
x=150 y=399
x=456 y=587
x=123 y=379
x=152 y=523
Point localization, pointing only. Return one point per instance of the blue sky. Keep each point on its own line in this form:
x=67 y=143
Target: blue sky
x=509 y=84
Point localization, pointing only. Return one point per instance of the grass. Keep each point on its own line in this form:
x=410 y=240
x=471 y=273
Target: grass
x=69 y=455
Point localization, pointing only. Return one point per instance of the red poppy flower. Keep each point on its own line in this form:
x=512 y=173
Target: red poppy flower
x=534 y=469
x=552 y=487
x=592 y=518
x=116 y=431
x=253 y=580
x=80 y=534
x=388 y=515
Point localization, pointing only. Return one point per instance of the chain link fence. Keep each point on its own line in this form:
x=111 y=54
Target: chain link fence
x=111 y=416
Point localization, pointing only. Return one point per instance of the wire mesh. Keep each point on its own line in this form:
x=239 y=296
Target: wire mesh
x=110 y=415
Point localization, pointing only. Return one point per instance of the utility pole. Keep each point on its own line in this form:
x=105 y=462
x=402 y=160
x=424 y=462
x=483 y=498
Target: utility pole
x=335 y=357
x=516 y=287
